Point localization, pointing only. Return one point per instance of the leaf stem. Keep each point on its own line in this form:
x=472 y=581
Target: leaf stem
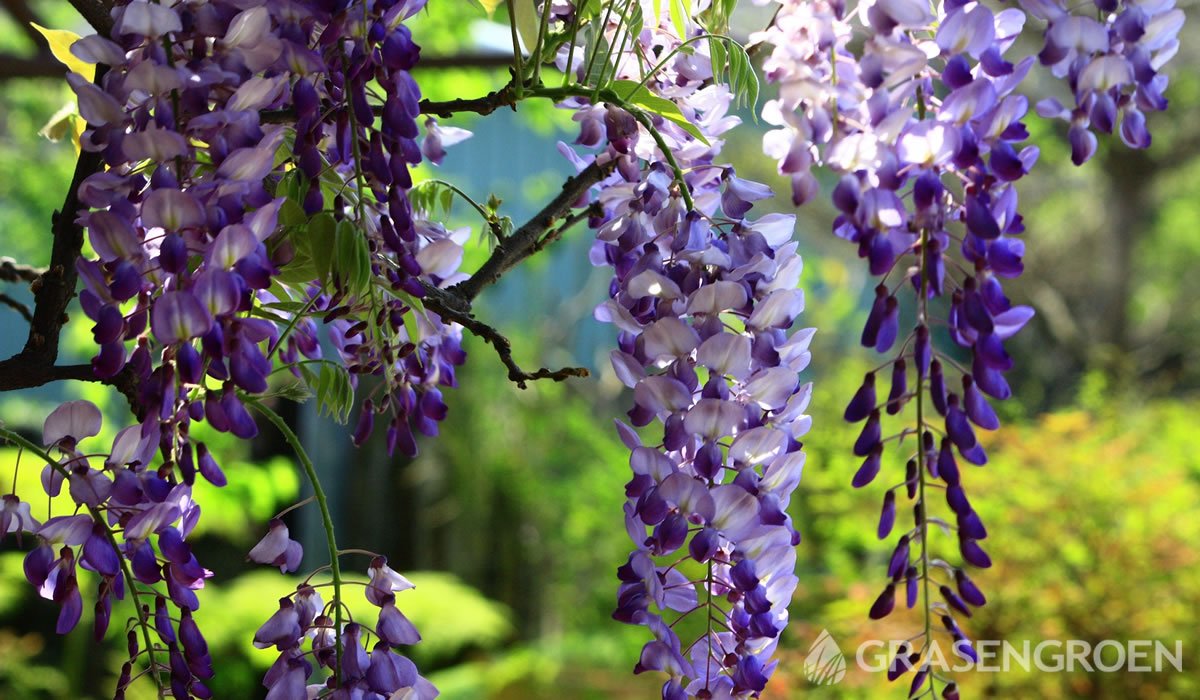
x=571 y=51
x=536 y=56
x=518 y=69
x=675 y=51
x=487 y=217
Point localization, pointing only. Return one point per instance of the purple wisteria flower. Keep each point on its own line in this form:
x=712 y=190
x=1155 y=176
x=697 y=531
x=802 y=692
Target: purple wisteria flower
x=210 y=272
x=704 y=298
x=277 y=549
x=927 y=136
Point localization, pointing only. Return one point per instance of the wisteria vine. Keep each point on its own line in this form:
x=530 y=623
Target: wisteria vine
x=246 y=188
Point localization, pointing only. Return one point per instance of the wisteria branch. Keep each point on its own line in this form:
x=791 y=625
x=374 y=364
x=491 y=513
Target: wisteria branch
x=13 y=271
x=450 y=307
x=524 y=241
x=504 y=97
x=547 y=226
x=53 y=289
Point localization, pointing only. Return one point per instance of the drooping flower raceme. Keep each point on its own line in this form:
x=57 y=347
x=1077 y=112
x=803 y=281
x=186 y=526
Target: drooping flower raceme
x=924 y=125
x=1112 y=63
x=256 y=169
x=704 y=298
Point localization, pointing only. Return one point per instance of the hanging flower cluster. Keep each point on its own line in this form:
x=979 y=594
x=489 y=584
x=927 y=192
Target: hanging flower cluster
x=206 y=203
x=303 y=617
x=1112 y=63
x=155 y=513
x=704 y=298
x=924 y=125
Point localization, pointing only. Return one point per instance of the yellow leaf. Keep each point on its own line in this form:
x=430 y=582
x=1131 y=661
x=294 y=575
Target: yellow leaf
x=65 y=120
x=80 y=126
x=60 y=41
x=59 y=124
x=490 y=5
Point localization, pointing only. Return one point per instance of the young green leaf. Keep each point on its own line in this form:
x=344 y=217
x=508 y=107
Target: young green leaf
x=635 y=96
x=680 y=17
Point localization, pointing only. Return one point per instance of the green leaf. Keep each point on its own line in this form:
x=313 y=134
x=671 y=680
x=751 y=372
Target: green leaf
x=679 y=17
x=335 y=395
x=432 y=197
x=321 y=239
x=300 y=269
x=527 y=22
x=292 y=391
x=636 y=96
x=718 y=57
x=291 y=213
x=590 y=9
x=716 y=17
x=410 y=322
x=636 y=21
x=310 y=377
x=291 y=307
x=351 y=258
x=742 y=78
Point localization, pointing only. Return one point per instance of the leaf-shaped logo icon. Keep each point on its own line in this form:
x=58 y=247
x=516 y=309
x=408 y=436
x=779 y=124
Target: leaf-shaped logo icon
x=825 y=664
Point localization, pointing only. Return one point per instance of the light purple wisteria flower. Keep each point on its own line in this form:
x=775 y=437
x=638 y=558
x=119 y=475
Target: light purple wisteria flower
x=703 y=298
x=278 y=549
x=927 y=137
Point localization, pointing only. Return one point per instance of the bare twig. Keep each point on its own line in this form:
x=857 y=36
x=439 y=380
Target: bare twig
x=13 y=271
x=17 y=306
x=567 y=222
x=20 y=67
x=449 y=307
x=525 y=240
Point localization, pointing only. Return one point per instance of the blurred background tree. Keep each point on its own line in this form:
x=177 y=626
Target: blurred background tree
x=513 y=520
